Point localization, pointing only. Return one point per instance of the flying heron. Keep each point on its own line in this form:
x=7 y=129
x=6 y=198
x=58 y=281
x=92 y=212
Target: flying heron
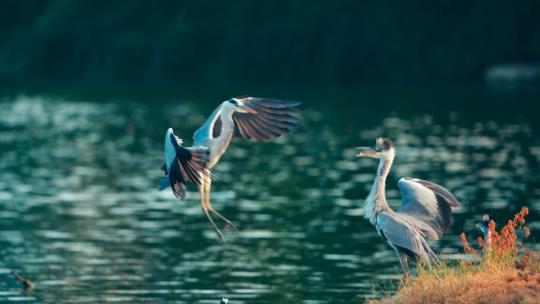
x=247 y=117
x=425 y=211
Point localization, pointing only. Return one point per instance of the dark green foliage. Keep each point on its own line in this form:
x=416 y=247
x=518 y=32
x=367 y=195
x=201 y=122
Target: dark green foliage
x=277 y=42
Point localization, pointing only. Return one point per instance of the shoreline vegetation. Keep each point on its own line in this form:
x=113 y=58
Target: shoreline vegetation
x=278 y=42
x=501 y=270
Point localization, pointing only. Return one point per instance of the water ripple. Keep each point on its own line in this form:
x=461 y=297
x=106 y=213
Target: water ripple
x=80 y=213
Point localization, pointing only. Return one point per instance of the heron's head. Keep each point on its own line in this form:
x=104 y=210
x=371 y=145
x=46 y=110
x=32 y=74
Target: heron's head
x=384 y=149
x=239 y=106
x=484 y=225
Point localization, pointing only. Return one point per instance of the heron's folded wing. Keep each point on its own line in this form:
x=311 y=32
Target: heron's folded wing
x=404 y=235
x=273 y=119
x=428 y=204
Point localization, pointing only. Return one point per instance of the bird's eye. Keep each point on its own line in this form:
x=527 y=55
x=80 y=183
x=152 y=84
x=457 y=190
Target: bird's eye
x=234 y=102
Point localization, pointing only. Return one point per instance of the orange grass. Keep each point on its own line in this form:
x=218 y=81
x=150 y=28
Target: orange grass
x=506 y=273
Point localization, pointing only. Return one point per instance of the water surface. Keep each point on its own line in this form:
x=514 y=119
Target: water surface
x=81 y=216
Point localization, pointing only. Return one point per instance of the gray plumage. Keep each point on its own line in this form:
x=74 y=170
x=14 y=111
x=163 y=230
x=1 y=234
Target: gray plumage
x=425 y=212
x=484 y=227
x=428 y=204
x=247 y=117
x=182 y=165
x=274 y=118
x=265 y=119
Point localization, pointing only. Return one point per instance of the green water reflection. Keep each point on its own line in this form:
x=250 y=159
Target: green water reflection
x=80 y=213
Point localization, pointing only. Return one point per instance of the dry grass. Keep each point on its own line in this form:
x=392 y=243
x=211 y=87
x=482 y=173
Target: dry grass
x=507 y=273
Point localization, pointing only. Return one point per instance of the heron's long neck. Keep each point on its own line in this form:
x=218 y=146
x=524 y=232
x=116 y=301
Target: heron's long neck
x=227 y=121
x=376 y=201
x=221 y=142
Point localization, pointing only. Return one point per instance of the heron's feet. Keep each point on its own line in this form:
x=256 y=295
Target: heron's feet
x=216 y=229
x=220 y=237
x=407 y=277
x=229 y=226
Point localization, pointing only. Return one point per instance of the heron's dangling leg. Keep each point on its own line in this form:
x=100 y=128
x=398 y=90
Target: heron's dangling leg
x=208 y=185
x=403 y=260
x=205 y=209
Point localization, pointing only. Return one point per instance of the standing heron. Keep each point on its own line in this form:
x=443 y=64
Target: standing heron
x=484 y=227
x=247 y=117
x=425 y=210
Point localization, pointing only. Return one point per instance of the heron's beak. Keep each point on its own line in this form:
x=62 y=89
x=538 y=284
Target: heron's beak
x=247 y=109
x=368 y=153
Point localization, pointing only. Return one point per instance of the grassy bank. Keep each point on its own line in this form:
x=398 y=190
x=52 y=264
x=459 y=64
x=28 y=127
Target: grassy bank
x=504 y=271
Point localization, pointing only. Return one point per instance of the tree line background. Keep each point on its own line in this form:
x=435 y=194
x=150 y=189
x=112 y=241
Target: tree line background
x=271 y=42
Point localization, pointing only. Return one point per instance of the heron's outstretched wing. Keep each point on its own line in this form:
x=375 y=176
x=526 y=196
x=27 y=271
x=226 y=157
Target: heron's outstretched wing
x=273 y=119
x=399 y=232
x=428 y=205
x=186 y=164
x=210 y=129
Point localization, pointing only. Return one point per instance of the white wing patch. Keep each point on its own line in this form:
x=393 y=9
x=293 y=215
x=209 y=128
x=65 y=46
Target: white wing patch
x=413 y=191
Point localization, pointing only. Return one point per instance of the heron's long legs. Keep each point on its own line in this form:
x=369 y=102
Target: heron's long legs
x=208 y=185
x=403 y=260
x=205 y=209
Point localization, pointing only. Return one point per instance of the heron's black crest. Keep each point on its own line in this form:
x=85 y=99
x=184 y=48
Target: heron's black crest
x=234 y=101
x=485 y=220
x=384 y=143
x=387 y=144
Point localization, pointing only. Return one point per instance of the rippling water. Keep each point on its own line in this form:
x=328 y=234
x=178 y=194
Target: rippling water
x=81 y=216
